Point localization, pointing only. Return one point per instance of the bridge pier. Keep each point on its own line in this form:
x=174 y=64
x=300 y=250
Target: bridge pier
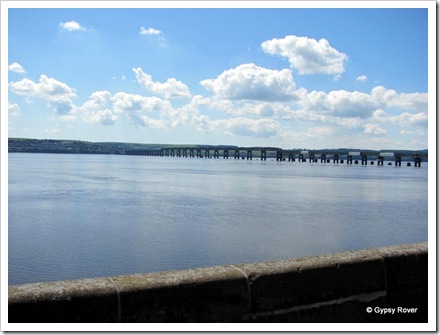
x=263 y=155
x=380 y=161
x=249 y=154
x=349 y=159
x=312 y=158
x=323 y=158
x=225 y=154
x=335 y=158
x=398 y=161
x=291 y=157
x=364 y=160
x=237 y=154
x=417 y=162
x=279 y=155
x=301 y=158
x=216 y=155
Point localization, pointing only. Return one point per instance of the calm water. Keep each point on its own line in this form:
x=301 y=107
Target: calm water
x=76 y=216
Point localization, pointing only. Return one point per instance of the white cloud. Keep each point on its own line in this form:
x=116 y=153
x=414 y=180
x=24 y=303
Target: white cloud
x=144 y=111
x=339 y=103
x=373 y=129
x=97 y=109
x=57 y=93
x=129 y=103
x=149 y=31
x=104 y=117
x=307 y=55
x=71 y=26
x=390 y=98
x=404 y=119
x=251 y=82
x=15 y=67
x=363 y=78
x=13 y=109
x=249 y=127
x=337 y=77
x=347 y=104
x=172 y=88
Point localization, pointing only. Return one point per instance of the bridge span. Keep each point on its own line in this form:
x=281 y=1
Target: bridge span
x=263 y=153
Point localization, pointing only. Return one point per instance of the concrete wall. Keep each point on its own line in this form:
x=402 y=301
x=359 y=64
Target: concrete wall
x=329 y=288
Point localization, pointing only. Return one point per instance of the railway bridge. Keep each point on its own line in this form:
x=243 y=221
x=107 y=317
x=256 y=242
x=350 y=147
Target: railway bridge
x=263 y=153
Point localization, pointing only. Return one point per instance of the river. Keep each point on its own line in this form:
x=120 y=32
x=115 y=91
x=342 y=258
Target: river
x=80 y=216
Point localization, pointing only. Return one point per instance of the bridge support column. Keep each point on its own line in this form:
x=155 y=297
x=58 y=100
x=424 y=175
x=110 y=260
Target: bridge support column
x=172 y=153
x=323 y=158
x=301 y=158
x=263 y=155
x=312 y=158
x=364 y=160
x=206 y=153
x=380 y=161
x=185 y=154
x=179 y=153
x=335 y=158
x=216 y=153
x=237 y=154
x=225 y=154
x=279 y=155
x=291 y=157
x=349 y=159
x=249 y=154
x=199 y=153
x=398 y=161
x=417 y=162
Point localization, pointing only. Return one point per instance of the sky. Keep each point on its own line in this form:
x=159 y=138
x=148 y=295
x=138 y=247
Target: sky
x=310 y=78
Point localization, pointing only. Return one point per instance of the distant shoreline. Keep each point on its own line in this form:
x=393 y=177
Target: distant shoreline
x=119 y=148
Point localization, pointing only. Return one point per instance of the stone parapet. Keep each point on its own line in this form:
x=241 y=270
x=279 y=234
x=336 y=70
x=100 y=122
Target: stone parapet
x=338 y=287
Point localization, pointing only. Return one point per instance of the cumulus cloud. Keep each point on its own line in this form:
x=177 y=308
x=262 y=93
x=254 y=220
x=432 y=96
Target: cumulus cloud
x=249 y=127
x=57 y=93
x=339 y=103
x=71 y=26
x=172 y=88
x=13 y=109
x=251 y=82
x=143 y=111
x=149 y=31
x=374 y=129
x=15 y=67
x=97 y=109
x=307 y=55
x=388 y=97
x=128 y=102
x=363 y=105
x=363 y=78
x=405 y=119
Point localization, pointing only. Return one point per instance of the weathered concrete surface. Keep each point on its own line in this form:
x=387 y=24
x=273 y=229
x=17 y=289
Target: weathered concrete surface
x=328 y=288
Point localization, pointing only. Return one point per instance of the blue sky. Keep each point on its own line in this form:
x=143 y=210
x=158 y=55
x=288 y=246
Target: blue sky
x=288 y=77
